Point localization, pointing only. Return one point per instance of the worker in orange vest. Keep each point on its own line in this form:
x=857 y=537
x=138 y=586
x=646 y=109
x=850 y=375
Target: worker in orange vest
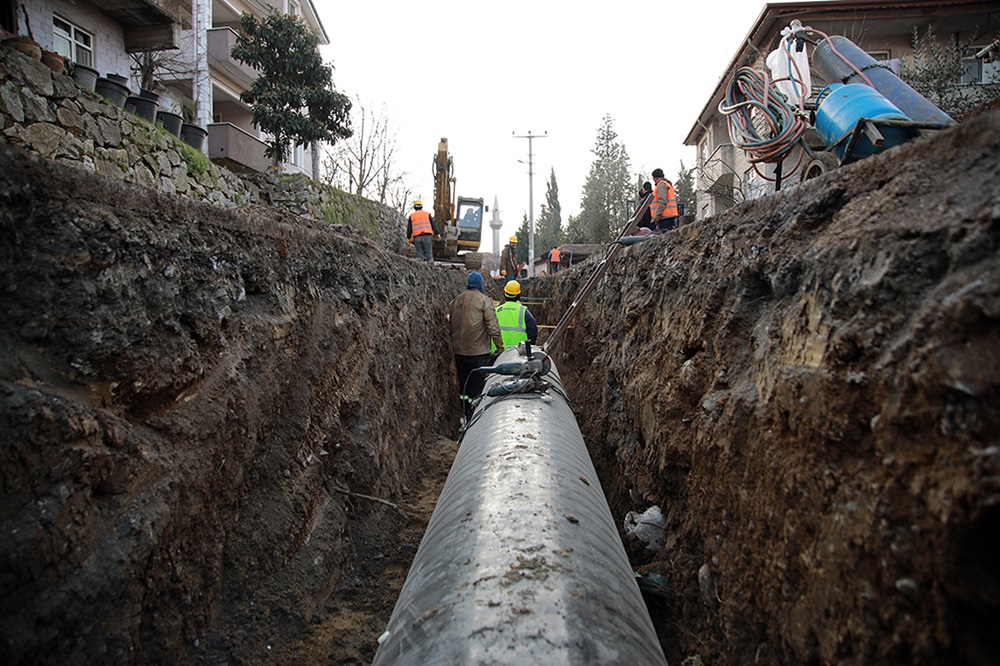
x=421 y=231
x=555 y=256
x=663 y=209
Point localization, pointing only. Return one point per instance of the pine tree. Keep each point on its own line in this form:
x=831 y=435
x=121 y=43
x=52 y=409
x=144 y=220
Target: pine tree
x=293 y=98
x=574 y=230
x=522 y=241
x=685 y=190
x=548 y=226
x=602 y=206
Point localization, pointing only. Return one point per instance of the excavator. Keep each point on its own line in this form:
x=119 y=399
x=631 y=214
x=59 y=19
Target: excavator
x=460 y=220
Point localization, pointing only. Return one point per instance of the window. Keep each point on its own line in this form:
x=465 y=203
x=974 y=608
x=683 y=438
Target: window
x=71 y=42
x=294 y=9
x=972 y=70
x=879 y=56
x=754 y=186
x=297 y=155
x=984 y=69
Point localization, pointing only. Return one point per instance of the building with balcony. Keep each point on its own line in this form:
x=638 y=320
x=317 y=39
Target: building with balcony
x=191 y=40
x=885 y=30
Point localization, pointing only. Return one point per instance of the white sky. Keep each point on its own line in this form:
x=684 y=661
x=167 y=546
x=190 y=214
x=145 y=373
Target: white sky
x=478 y=73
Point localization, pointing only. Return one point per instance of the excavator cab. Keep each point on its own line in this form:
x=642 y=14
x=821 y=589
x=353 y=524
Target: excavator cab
x=470 y=223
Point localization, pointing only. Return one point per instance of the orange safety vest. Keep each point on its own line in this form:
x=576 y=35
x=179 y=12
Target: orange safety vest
x=554 y=256
x=670 y=210
x=420 y=223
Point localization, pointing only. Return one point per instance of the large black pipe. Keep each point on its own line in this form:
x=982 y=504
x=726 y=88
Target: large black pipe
x=521 y=562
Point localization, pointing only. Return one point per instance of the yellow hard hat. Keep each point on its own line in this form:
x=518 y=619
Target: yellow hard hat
x=418 y=202
x=512 y=288
x=513 y=239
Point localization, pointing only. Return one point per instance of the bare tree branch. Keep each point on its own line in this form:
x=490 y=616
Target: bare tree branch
x=365 y=164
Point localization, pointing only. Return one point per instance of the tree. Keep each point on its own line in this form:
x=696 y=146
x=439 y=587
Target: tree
x=684 y=188
x=602 y=207
x=293 y=97
x=364 y=164
x=548 y=226
x=935 y=70
x=149 y=66
x=574 y=230
x=522 y=240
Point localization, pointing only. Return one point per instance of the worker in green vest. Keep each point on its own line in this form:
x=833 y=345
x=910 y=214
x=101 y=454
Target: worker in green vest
x=517 y=324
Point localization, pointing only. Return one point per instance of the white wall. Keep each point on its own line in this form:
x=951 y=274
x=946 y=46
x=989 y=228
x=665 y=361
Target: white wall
x=109 y=42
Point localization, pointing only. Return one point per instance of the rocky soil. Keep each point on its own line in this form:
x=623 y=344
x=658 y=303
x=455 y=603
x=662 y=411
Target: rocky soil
x=808 y=386
x=194 y=402
x=223 y=430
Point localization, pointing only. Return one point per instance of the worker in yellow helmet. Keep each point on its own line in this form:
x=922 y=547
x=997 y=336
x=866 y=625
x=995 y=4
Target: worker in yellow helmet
x=517 y=324
x=421 y=231
x=509 y=268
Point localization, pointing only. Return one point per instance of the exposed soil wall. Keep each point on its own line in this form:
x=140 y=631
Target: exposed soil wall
x=807 y=386
x=201 y=409
x=187 y=393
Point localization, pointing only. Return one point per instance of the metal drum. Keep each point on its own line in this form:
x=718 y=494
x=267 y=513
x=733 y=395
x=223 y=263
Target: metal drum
x=842 y=106
x=837 y=59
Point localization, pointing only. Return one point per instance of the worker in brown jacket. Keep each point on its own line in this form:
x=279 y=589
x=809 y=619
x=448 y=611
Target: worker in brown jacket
x=473 y=324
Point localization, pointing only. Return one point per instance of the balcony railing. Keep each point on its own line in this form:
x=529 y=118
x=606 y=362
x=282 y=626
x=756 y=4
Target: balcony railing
x=220 y=45
x=236 y=148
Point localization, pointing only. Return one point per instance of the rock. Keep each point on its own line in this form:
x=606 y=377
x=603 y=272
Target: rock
x=706 y=581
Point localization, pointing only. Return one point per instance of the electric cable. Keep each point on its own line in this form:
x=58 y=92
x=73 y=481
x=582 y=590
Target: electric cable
x=751 y=107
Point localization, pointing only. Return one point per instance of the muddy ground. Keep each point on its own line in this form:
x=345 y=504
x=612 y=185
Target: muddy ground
x=223 y=431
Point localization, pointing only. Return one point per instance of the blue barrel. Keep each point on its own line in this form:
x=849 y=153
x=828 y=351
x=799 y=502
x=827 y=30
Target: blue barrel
x=842 y=106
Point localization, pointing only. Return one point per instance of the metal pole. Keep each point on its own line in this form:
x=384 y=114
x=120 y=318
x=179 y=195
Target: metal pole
x=531 y=200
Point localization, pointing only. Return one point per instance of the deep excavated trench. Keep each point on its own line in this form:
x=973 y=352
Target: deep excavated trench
x=223 y=432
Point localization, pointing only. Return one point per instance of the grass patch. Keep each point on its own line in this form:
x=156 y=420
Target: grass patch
x=197 y=162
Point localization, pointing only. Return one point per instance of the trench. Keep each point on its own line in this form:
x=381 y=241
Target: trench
x=224 y=434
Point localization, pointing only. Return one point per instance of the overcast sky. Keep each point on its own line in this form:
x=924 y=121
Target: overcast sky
x=478 y=73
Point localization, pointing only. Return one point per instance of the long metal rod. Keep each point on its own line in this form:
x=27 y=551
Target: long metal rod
x=521 y=562
x=596 y=276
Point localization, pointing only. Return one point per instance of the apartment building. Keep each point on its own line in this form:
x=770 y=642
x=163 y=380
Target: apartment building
x=192 y=39
x=885 y=30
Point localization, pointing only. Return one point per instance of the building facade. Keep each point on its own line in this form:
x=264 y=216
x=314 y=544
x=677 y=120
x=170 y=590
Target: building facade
x=191 y=41
x=885 y=30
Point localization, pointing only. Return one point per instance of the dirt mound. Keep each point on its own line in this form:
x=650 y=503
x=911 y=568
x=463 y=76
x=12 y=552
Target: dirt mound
x=189 y=396
x=808 y=386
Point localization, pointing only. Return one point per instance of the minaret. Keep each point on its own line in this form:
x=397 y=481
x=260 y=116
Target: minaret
x=495 y=226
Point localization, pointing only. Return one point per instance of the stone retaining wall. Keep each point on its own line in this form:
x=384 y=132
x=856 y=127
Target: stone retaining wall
x=48 y=114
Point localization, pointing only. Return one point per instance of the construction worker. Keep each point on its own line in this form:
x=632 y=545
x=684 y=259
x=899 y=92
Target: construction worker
x=663 y=209
x=517 y=324
x=555 y=256
x=421 y=231
x=509 y=267
x=647 y=215
x=474 y=332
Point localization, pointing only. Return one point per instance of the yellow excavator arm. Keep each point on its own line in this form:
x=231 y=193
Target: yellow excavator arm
x=444 y=205
x=465 y=233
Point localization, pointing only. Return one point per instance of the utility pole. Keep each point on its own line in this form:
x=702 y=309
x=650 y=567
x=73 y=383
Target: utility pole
x=531 y=200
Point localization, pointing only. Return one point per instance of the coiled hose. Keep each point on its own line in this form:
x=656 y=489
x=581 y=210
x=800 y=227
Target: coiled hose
x=751 y=106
